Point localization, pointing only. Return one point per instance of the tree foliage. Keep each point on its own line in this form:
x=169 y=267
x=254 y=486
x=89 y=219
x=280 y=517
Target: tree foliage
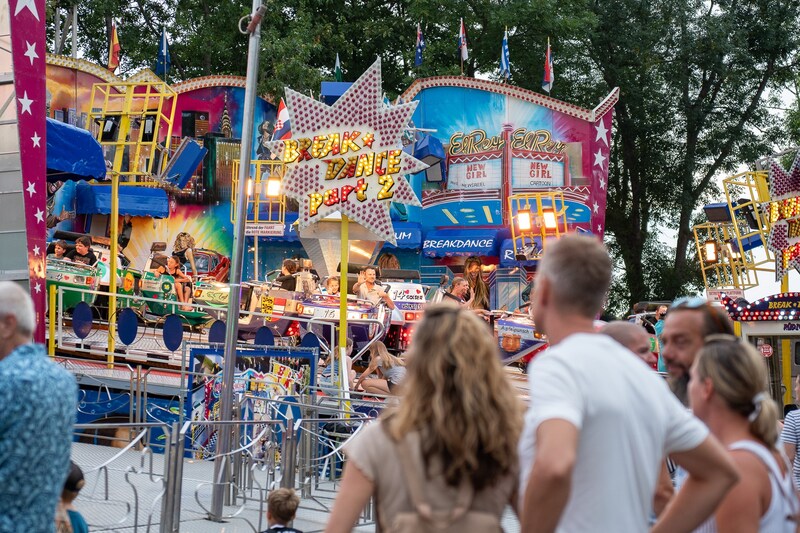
x=698 y=80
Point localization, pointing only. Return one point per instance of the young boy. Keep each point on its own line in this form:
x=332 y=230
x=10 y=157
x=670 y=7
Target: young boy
x=67 y=518
x=281 y=507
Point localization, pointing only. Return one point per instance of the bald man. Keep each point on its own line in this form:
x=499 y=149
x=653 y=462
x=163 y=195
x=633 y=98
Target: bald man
x=633 y=337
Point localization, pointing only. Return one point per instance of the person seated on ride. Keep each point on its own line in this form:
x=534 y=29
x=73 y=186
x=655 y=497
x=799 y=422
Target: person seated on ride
x=367 y=288
x=287 y=280
x=59 y=250
x=332 y=286
x=82 y=252
x=331 y=369
x=458 y=289
x=184 y=249
x=391 y=371
x=183 y=283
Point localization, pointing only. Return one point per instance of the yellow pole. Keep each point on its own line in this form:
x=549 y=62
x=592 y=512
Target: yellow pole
x=51 y=342
x=343 y=268
x=786 y=355
x=121 y=146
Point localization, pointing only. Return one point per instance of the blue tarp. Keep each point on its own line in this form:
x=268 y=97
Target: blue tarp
x=407 y=234
x=72 y=153
x=133 y=200
x=449 y=242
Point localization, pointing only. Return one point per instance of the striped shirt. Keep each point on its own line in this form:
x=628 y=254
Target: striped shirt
x=791 y=435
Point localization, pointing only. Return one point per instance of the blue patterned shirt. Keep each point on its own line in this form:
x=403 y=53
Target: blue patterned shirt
x=37 y=411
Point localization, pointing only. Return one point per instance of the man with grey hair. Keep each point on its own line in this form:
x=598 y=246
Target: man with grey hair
x=599 y=422
x=632 y=336
x=38 y=403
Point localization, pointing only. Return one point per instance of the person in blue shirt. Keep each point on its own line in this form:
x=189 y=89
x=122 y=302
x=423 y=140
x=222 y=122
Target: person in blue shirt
x=661 y=313
x=68 y=519
x=38 y=402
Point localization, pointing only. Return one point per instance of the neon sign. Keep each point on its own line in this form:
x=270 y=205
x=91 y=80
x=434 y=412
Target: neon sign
x=348 y=157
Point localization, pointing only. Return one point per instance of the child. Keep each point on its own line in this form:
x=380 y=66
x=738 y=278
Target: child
x=68 y=520
x=281 y=507
x=332 y=286
x=59 y=250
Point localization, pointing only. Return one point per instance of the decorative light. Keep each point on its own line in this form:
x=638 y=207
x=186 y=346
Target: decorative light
x=524 y=220
x=710 y=247
x=549 y=219
x=249 y=187
x=273 y=186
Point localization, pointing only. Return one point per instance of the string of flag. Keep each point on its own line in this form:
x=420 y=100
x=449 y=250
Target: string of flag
x=505 y=59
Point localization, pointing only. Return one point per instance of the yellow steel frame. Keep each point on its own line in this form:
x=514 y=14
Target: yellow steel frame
x=747 y=191
x=260 y=172
x=731 y=269
x=130 y=104
x=536 y=203
x=138 y=103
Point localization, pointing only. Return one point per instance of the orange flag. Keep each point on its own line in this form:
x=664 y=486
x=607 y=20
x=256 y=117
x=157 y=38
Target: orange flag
x=113 y=49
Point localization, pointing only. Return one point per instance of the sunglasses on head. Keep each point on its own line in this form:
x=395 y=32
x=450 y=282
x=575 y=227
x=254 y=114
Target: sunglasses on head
x=689 y=302
x=701 y=304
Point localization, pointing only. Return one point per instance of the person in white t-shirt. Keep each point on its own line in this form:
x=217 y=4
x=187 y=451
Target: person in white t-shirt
x=599 y=421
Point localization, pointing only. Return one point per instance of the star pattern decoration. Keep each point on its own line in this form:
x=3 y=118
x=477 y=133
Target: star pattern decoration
x=783 y=185
x=26 y=103
x=30 y=5
x=37 y=288
x=31 y=52
x=599 y=158
x=35 y=139
x=31 y=188
x=595 y=208
x=602 y=132
x=39 y=216
x=602 y=183
x=36 y=250
x=360 y=109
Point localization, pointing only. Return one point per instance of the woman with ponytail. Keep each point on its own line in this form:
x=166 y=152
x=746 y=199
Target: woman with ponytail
x=728 y=391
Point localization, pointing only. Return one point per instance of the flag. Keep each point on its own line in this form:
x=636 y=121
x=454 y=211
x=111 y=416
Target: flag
x=462 y=42
x=505 y=67
x=420 y=47
x=547 y=81
x=283 y=129
x=163 y=62
x=113 y=48
x=337 y=70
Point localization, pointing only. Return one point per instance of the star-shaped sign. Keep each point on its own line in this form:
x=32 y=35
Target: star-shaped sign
x=31 y=188
x=26 y=103
x=31 y=51
x=36 y=140
x=39 y=216
x=602 y=132
x=29 y=4
x=348 y=157
x=599 y=158
x=784 y=188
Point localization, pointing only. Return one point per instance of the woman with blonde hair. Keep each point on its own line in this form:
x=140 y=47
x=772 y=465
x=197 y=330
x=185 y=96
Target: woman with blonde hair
x=478 y=295
x=391 y=371
x=728 y=391
x=446 y=455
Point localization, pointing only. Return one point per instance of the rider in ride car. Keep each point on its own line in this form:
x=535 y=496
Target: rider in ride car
x=287 y=280
x=82 y=253
x=367 y=288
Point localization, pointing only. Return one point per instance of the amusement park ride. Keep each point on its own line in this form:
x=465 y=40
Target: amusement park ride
x=755 y=232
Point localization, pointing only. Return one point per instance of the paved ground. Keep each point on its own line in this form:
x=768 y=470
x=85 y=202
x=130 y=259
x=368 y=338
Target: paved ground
x=132 y=501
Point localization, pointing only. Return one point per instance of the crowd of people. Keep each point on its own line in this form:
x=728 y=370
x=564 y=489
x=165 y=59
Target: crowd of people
x=605 y=444
x=601 y=433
